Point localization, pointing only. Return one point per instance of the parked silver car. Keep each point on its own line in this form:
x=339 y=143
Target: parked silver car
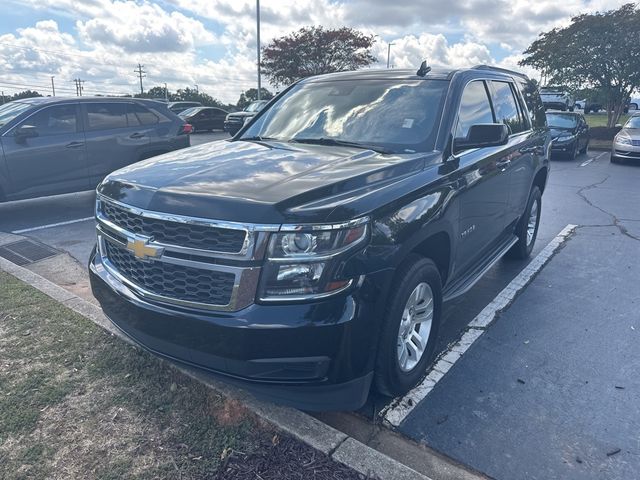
x=58 y=145
x=626 y=144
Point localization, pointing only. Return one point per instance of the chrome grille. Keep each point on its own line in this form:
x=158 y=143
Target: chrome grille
x=202 y=237
x=178 y=282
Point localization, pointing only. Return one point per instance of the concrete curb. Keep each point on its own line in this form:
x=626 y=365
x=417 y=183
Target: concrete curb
x=337 y=445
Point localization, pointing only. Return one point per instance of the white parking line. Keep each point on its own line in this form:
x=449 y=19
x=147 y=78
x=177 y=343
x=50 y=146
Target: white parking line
x=592 y=159
x=51 y=225
x=398 y=411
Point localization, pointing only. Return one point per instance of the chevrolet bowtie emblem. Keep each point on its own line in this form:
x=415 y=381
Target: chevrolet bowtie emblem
x=140 y=247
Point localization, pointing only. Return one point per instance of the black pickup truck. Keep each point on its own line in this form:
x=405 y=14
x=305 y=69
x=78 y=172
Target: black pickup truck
x=308 y=258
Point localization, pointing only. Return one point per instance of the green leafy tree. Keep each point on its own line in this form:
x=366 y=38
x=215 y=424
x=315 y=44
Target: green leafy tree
x=599 y=51
x=19 y=95
x=315 y=50
x=251 y=95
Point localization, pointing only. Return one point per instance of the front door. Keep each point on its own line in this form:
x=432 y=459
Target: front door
x=53 y=162
x=483 y=183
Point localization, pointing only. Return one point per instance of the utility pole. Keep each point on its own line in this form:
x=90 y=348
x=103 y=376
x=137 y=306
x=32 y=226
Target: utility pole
x=53 y=87
x=166 y=92
x=258 y=47
x=141 y=74
x=79 y=86
x=2 y=93
x=389 y=53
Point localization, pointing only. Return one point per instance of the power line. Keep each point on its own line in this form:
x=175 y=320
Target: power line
x=141 y=73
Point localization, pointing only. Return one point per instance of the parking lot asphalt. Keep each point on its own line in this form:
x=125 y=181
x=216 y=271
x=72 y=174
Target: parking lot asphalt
x=476 y=414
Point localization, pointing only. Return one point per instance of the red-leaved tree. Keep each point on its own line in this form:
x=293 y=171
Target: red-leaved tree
x=313 y=51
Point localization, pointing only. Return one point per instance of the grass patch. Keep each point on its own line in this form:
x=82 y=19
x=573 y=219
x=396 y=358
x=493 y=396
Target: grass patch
x=600 y=119
x=76 y=402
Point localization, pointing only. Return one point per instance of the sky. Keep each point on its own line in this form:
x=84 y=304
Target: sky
x=212 y=43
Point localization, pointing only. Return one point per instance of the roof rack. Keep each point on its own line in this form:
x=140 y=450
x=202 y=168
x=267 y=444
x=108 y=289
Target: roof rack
x=499 y=69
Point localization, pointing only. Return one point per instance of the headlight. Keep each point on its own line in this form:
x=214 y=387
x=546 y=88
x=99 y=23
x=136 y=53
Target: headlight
x=623 y=140
x=564 y=139
x=305 y=261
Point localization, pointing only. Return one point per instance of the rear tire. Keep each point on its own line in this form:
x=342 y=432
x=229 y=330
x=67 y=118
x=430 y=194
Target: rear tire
x=527 y=228
x=393 y=377
x=571 y=109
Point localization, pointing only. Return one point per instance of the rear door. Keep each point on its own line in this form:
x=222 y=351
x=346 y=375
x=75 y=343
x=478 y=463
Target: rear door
x=114 y=137
x=218 y=117
x=523 y=146
x=53 y=162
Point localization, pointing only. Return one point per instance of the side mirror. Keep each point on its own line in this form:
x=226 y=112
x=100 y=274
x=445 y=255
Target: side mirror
x=483 y=135
x=24 y=132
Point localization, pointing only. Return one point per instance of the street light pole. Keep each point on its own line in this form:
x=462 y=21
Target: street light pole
x=53 y=87
x=389 y=53
x=166 y=92
x=258 y=47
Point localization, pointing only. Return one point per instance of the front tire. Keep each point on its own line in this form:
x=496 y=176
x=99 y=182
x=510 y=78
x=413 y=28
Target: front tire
x=527 y=228
x=410 y=330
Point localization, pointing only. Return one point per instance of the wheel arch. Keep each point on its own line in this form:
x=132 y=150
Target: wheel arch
x=540 y=180
x=437 y=247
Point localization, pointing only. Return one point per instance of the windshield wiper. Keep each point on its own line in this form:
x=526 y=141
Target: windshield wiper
x=342 y=143
x=258 y=137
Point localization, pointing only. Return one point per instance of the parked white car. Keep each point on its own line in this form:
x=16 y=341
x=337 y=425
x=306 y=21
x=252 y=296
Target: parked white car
x=557 y=98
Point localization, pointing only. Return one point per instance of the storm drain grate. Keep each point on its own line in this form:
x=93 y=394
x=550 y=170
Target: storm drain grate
x=24 y=252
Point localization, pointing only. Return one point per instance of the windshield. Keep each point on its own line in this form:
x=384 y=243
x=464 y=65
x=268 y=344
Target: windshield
x=397 y=116
x=558 y=120
x=255 y=106
x=633 y=122
x=11 y=110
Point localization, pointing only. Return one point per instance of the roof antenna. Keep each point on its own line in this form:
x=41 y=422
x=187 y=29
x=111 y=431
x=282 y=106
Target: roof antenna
x=424 y=69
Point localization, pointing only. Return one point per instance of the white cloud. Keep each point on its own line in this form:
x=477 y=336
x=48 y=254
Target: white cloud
x=212 y=42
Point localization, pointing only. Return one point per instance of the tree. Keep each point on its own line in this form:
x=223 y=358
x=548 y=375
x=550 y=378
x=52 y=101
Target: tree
x=18 y=96
x=599 y=51
x=251 y=95
x=313 y=51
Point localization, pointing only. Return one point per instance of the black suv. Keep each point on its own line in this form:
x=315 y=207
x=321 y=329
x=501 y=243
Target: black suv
x=309 y=257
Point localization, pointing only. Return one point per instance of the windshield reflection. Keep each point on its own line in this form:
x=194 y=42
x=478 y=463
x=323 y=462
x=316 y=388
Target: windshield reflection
x=400 y=116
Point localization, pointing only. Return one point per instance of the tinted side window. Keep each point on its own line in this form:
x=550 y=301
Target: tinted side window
x=529 y=89
x=55 y=120
x=106 y=116
x=142 y=115
x=475 y=108
x=506 y=107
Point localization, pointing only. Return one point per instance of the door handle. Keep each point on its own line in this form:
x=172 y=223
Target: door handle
x=503 y=164
x=75 y=145
x=537 y=150
x=137 y=135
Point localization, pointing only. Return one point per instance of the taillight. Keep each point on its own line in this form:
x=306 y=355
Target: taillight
x=187 y=128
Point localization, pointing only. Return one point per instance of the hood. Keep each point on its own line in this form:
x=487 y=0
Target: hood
x=258 y=182
x=557 y=131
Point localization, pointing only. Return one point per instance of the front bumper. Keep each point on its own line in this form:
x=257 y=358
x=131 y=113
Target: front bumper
x=620 y=150
x=314 y=356
x=232 y=126
x=564 y=148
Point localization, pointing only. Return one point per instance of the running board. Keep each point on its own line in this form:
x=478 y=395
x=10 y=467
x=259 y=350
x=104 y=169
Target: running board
x=464 y=285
